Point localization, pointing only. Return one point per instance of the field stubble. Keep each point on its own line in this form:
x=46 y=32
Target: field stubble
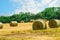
x=24 y=32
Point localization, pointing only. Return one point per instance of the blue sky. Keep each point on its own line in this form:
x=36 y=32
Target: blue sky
x=9 y=7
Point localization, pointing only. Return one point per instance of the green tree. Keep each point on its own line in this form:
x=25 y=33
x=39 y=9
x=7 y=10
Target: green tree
x=48 y=13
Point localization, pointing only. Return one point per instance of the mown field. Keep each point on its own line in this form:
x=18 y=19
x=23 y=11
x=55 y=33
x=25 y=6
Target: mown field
x=24 y=31
x=7 y=29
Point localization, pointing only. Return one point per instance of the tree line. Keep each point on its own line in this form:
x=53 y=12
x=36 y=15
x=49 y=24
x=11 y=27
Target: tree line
x=47 y=13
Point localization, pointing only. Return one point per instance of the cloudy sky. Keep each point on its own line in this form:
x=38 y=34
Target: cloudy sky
x=9 y=7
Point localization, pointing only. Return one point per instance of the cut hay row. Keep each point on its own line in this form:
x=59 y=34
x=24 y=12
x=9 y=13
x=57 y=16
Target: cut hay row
x=1 y=25
x=39 y=24
x=13 y=23
x=54 y=23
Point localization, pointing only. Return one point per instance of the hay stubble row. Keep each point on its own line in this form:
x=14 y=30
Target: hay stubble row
x=19 y=26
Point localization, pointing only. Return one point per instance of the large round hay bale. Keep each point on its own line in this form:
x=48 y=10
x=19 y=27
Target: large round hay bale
x=39 y=24
x=13 y=23
x=1 y=25
x=54 y=23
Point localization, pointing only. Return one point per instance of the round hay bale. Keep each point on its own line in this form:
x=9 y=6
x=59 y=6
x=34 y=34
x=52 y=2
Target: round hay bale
x=39 y=24
x=22 y=22
x=1 y=25
x=54 y=23
x=32 y=20
x=13 y=23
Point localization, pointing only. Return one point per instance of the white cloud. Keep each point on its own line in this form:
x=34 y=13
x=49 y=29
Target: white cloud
x=46 y=1
x=15 y=0
x=54 y=3
x=28 y=5
x=43 y=3
x=32 y=5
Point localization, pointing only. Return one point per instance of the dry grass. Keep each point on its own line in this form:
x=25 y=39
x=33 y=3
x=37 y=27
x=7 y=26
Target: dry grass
x=7 y=29
x=30 y=38
x=24 y=32
x=34 y=35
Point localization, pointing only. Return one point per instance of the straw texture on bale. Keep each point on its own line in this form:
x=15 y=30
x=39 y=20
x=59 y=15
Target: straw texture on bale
x=54 y=23
x=13 y=23
x=1 y=25
x=39 y=24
